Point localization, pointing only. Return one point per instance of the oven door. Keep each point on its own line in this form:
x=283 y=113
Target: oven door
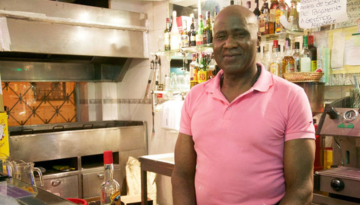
x=63 y=185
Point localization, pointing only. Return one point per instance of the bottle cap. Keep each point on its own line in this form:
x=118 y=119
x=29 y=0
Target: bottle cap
x=108 y=159
x=275 y=43
x=297 y=45
x=310 y=39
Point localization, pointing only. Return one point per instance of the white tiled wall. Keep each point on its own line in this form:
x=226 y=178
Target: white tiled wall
x=134 y=84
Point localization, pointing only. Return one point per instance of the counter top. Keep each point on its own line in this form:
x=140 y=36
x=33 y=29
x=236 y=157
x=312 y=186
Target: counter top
x=27 y=194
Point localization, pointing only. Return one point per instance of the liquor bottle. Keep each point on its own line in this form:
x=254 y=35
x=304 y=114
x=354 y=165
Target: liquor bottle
x=273 y=7
x=296 y=57
x=257 y=10
x=110 y=188
x=305 y=59
x=263 y=6
x=175 y=36
x=266 y=60
x=278 y=25
x=231 y=2
x=167 y=36
x=275 y=63
x=294 y=17
x=288 y=62
x=211 y=66
x=202 y=73
x=248 y=4
x=184 y=36
x=313 y=53
x=192 y=33
x=194 y=66
x=199 y=35
x=264 y=21
x=285 y=9
x=207 y=35
x=258 y=55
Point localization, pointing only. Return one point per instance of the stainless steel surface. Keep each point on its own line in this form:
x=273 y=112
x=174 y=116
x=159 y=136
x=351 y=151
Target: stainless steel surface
x=330 y=126
x=319 y=199
x=78 y=143
x=343 y=180
x=52 y=38
x=92 y=180
x=350 y=177
x=315 y=92
x=63 y=186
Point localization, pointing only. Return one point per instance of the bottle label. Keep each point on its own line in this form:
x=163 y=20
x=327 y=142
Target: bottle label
x=192 y=38
x=167 y=39
x=115 y=198
x=272 y=15
x=205 y=35
x=277 y=21
x=305 y=64
x=199 y=39
x=313 y=65
x=202 y=76
x=290 y=68
x=274 y=68
x=262 y=26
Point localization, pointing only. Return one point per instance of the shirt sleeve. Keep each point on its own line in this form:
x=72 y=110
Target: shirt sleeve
x=185 y=121
x=300 y=122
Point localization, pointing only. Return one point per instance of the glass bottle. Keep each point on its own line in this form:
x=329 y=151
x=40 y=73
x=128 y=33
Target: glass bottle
x=257 y=10
x=258 y=55
x=231 y=2
x=272 y=16
x=207 y=34
x=263 y=6
x=278 y=25
x=275 y=62
x=288 y=62
x=192 y=33
x=305 y=59
x=266 y=60
x=110 y=188
x=199 y=35
x=248 y=4
x=202 y=73
x=264 y=21
x=313 y=52
x=194 y=66
x=296 y=57
x=284 y=7
x=294 y=17
x=167 y=36
x=184 y=36
x=175 y=36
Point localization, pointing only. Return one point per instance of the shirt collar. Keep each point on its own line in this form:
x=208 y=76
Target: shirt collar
x=263 y=84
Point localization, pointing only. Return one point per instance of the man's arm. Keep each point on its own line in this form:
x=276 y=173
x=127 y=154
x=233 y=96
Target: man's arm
x=299 y=157
x=182 y=178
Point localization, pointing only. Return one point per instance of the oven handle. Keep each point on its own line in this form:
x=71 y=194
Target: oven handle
x=55 y=183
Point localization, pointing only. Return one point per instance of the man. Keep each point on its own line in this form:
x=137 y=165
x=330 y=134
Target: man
x=246 y=136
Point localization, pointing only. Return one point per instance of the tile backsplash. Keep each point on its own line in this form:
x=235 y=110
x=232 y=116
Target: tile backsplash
x=39 y=102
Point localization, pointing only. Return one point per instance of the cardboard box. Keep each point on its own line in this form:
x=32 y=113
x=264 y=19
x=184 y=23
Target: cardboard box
x=133 y=200
x=4 y=134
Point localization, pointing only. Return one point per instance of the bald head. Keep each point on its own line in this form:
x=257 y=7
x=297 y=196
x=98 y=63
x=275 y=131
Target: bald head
x=238 y=12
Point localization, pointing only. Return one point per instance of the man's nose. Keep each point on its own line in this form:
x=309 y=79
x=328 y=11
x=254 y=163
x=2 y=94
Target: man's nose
x=230 y=42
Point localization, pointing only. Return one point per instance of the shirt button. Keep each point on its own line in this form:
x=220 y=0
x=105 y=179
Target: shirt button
x=229 y=108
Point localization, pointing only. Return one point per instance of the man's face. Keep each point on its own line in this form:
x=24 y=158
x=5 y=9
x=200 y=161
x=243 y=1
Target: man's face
x=235 y=42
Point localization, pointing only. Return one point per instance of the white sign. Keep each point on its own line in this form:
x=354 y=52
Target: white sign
x=353 y=12
x=316 y=13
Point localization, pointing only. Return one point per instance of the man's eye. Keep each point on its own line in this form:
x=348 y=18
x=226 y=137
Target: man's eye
x=221 y=37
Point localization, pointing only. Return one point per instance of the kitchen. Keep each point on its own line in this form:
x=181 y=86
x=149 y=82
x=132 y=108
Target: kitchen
x=124 y=98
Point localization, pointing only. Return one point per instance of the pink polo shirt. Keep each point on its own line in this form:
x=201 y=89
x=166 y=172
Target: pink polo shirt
x=240 y=145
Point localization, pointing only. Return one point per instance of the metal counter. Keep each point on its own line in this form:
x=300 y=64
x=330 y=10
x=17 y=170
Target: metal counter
x=33 y=196
x=161 y=164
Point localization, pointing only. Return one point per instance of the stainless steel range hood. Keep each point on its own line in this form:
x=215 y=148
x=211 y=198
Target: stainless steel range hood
x=49 y=37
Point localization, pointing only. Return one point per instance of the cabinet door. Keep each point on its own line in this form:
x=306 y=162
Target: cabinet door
x=92 y=182
x=66 y=187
